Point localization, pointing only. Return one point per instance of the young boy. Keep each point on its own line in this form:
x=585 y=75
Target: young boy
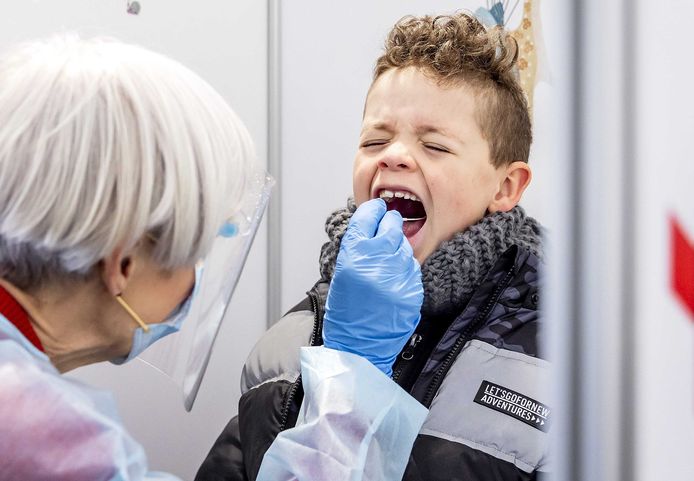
x=445 y=141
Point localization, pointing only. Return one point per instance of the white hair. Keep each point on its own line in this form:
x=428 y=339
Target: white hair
x=102 y=143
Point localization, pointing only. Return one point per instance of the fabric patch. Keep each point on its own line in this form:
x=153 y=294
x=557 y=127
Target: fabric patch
x=514 y=404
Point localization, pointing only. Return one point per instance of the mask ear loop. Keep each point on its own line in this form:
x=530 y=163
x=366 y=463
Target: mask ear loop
x=132 y=313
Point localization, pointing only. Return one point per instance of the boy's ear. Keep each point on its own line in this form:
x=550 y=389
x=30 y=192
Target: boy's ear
x=514 y=178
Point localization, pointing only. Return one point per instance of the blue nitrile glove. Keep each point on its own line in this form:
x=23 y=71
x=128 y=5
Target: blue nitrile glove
x=376 y=292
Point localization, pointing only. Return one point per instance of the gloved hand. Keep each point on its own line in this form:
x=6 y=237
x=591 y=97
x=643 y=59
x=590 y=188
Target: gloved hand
x=376 y=292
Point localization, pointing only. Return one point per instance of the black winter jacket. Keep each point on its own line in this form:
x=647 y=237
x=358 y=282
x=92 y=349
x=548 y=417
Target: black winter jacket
x=478 y=372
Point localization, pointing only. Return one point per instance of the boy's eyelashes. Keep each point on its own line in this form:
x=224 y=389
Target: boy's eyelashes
x=437 y=148
x=427 y=145
x=371 y=143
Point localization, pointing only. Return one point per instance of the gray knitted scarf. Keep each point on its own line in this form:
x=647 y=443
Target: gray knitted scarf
x=452 y=273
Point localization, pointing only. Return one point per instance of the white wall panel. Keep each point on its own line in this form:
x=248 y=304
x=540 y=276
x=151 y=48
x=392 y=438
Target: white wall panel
x=664 y=350
x=623 y=339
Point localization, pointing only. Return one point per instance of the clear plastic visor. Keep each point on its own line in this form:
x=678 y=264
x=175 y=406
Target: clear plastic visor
x=183 y=356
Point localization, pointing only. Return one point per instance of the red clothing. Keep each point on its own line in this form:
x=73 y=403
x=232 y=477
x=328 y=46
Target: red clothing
x=15 y=313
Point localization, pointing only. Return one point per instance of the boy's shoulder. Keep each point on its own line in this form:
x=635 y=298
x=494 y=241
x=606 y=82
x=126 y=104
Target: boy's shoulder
x=276 y=355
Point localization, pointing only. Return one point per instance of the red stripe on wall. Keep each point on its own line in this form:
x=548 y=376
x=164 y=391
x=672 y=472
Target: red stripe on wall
x=682 y=266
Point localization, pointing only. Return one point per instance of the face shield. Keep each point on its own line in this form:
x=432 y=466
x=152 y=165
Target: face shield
x=183 y=356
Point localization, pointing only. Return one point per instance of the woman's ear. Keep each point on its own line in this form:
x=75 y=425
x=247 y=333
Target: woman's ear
x=514 y=179
x=116 y=270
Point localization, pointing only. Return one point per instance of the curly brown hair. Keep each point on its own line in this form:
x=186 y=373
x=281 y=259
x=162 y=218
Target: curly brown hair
x=456 y=49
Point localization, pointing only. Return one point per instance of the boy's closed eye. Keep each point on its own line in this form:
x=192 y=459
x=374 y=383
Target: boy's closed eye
x=436 y=148
x=373 y=143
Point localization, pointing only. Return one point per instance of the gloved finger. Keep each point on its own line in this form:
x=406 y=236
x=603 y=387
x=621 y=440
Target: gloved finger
x=366 y=218
x=406 y=253
x=390 y=229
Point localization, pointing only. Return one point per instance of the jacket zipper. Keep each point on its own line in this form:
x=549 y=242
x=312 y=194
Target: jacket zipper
x=287 y=401
x=464 y=337
x=295 y=386
x=317 y=324
x=407 y=354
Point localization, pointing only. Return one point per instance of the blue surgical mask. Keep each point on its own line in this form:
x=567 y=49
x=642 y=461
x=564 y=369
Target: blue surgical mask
x=142 y=340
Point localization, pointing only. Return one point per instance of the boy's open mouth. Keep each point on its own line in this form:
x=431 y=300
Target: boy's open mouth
x=409 y=206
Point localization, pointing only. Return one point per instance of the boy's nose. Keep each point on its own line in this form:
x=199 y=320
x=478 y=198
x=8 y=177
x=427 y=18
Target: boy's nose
x=396 y=157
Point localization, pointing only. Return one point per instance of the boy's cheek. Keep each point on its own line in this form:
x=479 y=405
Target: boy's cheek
x=359 y=198
x=361 y=185
x=358 y=190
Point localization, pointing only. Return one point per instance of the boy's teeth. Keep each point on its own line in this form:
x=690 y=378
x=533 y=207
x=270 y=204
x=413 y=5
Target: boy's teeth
x=399 y=194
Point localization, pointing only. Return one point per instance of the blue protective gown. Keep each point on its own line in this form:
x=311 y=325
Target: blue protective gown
x=56 y=428
x=53 y=427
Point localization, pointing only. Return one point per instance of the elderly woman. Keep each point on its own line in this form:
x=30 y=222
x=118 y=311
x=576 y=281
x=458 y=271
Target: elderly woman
x=128 y=200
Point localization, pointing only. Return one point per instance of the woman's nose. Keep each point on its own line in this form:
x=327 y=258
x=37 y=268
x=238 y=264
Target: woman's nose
x=396 y=157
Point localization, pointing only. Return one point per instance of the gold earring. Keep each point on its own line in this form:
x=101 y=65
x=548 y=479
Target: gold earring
x=132 y=313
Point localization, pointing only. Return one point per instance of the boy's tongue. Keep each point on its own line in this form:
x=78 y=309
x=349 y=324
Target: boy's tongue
x=410 y=228
x=409 y=209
